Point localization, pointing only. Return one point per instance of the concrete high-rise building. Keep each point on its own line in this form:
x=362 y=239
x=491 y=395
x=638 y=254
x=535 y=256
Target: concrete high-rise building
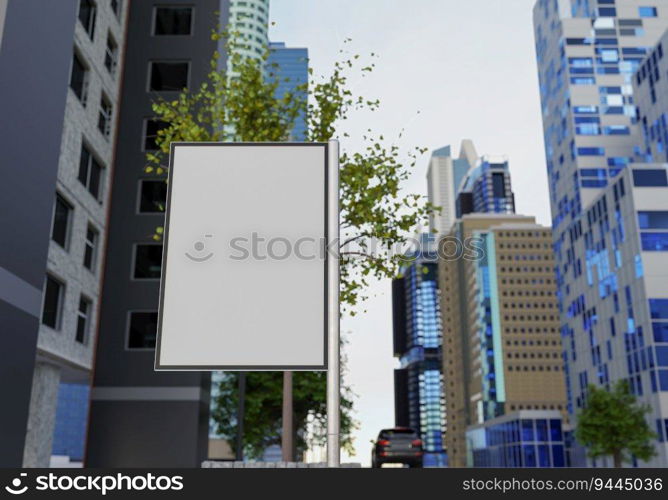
x=501 y=343
x=62 y=98
x=444 y=176
x=418 y=383
x=587 y=56
x=486 y=189
x=289 y=66
x=140 y=417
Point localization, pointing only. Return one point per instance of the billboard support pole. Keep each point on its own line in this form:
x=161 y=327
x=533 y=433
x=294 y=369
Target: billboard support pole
x=333 y=355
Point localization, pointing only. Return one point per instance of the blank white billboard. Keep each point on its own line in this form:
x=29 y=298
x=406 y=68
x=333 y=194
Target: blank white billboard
x=244 y=270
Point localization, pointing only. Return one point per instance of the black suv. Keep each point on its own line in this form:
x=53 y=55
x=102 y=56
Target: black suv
x=398 y=445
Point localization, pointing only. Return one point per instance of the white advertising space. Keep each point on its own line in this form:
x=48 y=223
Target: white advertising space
x=235 y=291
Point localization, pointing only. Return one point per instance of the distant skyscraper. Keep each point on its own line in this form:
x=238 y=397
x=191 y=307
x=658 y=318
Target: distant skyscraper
x=289 y=65
x=486 y=189
x=607 y=268
x=418 y=383
x=250 y=18
x=501 y=344
x=444 y=177
x=63 y=93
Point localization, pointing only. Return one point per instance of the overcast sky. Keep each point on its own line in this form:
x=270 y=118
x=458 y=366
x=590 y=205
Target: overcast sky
x=447 y=70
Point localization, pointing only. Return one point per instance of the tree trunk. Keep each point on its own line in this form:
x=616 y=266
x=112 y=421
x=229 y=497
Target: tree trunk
x=617 y=459
x=287 y=447
x=241 y=413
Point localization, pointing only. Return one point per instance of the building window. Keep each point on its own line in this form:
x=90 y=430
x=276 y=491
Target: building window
x=90 y=248
x=53 y=302
x=90 y=172
x=168 y=76
x=104 y=120
x=647 y=12
x=151 y=129
x=143 y=330
x=650 y=178
x=116 y=6
x=111 y=55
x=79 y=78
x=152 y=196
x=173 y=21
x=654 y=242
x=87 y=12
x=83 y=320
x=148 y=261
x=62 y=215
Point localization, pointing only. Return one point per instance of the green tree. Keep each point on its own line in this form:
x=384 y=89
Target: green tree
x=375 y=216
x=612 y=423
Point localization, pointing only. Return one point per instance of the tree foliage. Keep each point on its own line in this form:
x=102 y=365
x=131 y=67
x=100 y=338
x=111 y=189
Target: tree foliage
x=243 y=104
x=612 y=423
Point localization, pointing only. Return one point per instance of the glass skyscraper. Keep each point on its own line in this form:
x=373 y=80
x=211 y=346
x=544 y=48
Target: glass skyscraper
x=289 y=65
x=419 y=400
x=610 y=283
x=486 y=189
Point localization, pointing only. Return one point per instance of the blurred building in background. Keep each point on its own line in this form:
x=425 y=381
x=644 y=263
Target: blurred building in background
x=418 y=383
x=602 y=105
x=486 y=188
x=444 y=176
x=501 y=343
x=289 y=67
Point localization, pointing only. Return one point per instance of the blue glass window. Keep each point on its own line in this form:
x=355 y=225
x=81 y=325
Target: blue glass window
x=653 y=220
x=555 y=430
x=663 y=379
x=593 y=172
x=654 y=242
x=660 y=331
x=583 y=80
x=557 y=455
x=581 y=62
x=543 y=455
x=585 y=110
x=616 y=130
x=541 y=430
x=529 y=455
x=647 y=11
x=591 y=151
x=661 y=355
x=635 y=51
x=527 y=430
x=658 y=308
x=593 y=183
x=618 y=161
x=650 y=178
x=578 y=41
